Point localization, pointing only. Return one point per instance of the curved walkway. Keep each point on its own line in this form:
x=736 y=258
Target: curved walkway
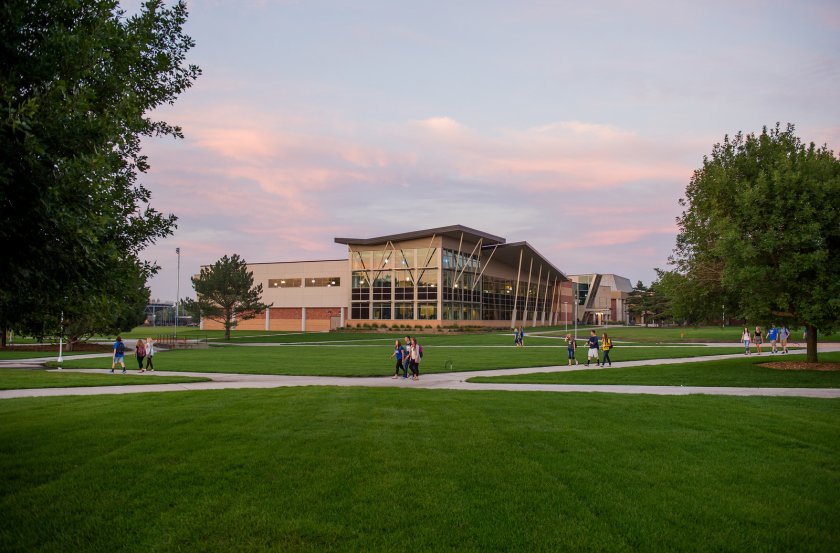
x=442 y=381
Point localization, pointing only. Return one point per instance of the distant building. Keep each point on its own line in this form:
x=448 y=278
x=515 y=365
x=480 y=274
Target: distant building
x=601 y=298
x=443 y=276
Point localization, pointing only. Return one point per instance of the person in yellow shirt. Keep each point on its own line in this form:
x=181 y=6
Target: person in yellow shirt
x=606 y=346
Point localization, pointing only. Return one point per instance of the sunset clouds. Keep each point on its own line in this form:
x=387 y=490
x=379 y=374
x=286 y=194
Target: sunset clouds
x=332 y=129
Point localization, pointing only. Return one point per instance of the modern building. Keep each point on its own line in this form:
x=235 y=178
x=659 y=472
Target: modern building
x=444 y=276
x=601 y=298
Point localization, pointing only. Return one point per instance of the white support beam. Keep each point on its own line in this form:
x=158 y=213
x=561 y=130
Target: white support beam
x=527 y=294
x=537 y=296
x=516 y=292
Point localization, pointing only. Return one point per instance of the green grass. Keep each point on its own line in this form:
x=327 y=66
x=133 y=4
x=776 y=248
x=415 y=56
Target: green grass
x=18 y=379
x=328 y=469
x=372 y=360
x=11 y=354
x=731 y=372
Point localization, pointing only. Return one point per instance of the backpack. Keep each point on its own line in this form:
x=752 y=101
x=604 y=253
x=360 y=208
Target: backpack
x=421 y=350
x=121 y=348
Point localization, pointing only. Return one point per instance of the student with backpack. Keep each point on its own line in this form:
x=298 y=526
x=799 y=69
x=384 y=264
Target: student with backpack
x=119 y=355
x=140 y=353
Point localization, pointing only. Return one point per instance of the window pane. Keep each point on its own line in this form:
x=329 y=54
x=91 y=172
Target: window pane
x=284 y=283
x=404 y=311
x=427 y=257
x=382 y=311
x=427 y=311
x=361 y=260
x=322 y=282
x=360 y=311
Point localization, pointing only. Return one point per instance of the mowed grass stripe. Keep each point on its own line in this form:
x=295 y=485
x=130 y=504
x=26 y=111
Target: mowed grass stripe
x=329 y=361
x=323 y=469
x=739 y=372
x=18 y=379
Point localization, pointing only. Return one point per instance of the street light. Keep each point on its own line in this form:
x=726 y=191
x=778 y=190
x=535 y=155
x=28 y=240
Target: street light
x=61 y=340
x=177 y=290
x=566 y=315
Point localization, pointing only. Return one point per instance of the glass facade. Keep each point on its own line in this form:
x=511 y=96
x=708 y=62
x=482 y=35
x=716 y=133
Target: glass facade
x=438 y=284
x=284 y=283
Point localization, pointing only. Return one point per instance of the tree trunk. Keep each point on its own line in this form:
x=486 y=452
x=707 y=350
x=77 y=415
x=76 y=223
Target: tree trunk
x=811 y=341
x=228 y=324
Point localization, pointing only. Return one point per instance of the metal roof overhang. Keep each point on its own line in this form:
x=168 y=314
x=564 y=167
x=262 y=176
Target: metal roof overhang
x=453 y=231
x=509 y=254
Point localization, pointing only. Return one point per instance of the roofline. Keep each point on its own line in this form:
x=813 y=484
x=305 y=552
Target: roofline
x=419 y=234
x=534 y=250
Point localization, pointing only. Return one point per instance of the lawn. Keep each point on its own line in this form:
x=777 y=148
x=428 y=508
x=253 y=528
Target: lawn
x=11 y=354
x=367 y=359
x=740 y=372
x=329 y=469
x=17 y=379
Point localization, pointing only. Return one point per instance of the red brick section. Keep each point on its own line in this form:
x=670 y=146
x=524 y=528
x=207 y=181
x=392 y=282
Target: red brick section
x=283 y=313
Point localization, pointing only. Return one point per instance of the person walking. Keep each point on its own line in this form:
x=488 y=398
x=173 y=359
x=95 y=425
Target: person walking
x=593 y=348
x=119 y=355
x=757 y=339
x=521 y=336
x=745 y=338
x=571 y=349
x=784 y=334
x=606 y=346
x=150 y=352
x=399 y=353
x=140 y=354
x=416 y=354
x=773 y=336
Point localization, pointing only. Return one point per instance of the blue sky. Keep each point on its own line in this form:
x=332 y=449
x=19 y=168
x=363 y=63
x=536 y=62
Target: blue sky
x=575 y=127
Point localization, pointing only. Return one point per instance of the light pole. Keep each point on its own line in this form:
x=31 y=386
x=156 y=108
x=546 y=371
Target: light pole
x=61 y=340
x=177 y=291
x=566 y=315
x=576 y=319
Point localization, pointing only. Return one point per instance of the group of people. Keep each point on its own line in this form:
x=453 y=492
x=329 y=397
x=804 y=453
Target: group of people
x=519 y=336
x=776 y=336
x=408 y=357
x=142 y=351
x=604 y=346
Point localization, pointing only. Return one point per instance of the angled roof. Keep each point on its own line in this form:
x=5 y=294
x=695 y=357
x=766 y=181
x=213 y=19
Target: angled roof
x=453 y=231
x=509 y=254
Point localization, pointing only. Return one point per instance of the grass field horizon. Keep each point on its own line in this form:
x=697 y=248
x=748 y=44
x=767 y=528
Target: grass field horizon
x=329 y=469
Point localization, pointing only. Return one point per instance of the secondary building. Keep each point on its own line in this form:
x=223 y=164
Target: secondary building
x=444 y=276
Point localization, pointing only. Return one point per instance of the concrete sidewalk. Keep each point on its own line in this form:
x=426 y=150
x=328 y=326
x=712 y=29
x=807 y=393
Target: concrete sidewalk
x=445 y=381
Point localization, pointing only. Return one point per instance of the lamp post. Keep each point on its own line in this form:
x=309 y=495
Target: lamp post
x=576 y=319
x=177 y=291
x=61 y=340
x=566 y=315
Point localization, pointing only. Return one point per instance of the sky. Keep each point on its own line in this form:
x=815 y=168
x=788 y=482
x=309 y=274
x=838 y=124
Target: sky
x=575 y=126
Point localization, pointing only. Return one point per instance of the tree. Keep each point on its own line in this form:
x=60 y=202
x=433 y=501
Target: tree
x=636 y=301
x=760 y=232
x=79 y=78
x=225 y=293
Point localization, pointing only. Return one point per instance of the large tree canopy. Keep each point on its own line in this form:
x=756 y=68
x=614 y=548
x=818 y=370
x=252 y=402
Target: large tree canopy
x=78 y=81
x=226 y=293
x=760 y=233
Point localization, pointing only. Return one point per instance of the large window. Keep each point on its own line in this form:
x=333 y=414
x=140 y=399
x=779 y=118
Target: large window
x=427 y=311
x=427 y=284
x=403 y=286
x=404 y=310
x=322 y=282
x=382 y=286
x=381 y=311
x=361 y=261
x=284 y=283
x=360 y=311
x=361 y=286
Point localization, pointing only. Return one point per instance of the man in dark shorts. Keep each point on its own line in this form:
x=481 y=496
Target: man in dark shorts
x=593 y=349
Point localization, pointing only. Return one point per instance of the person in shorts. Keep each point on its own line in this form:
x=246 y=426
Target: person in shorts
x=773 y=336
x=784 y=335
x=593 y=349
x=571 y=348
x=119 y=355
x=757 y=339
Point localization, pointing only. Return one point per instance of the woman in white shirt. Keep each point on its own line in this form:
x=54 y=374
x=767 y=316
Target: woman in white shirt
x=745 y=337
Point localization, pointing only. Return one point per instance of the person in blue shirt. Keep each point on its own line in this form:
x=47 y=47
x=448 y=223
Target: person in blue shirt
x=593 y=349
x=119 y=355
x=399 y=354
x=773 y=336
